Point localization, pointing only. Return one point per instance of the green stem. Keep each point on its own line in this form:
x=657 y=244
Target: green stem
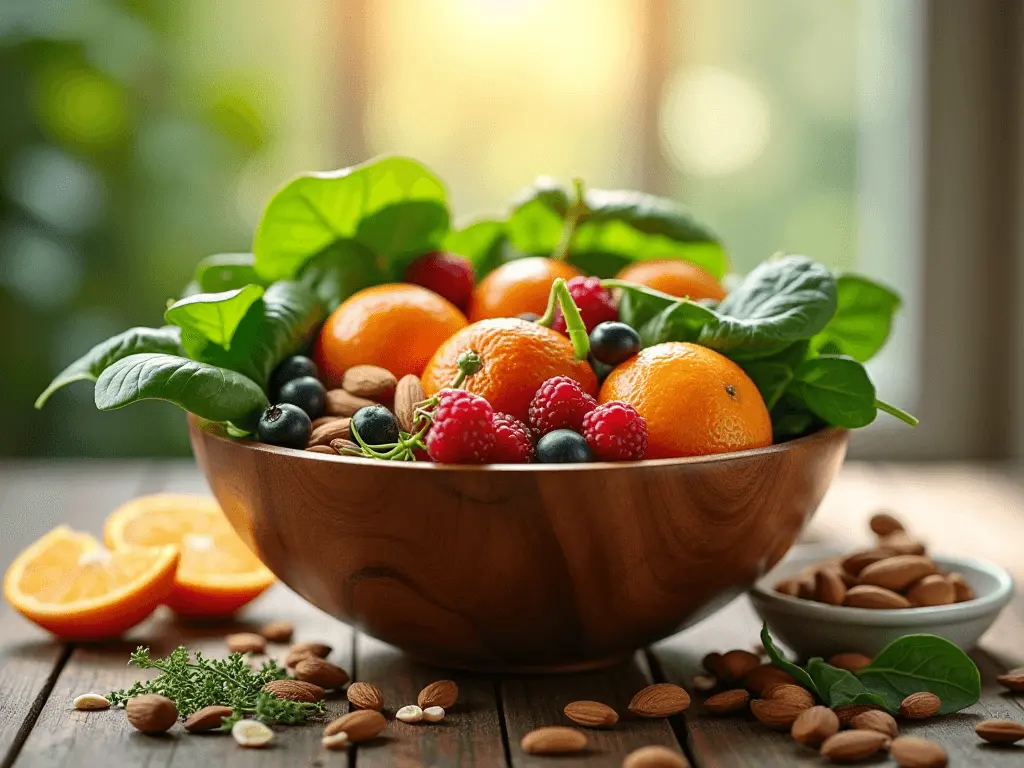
x=573 y=321
x=899 y=413
x=575 y=214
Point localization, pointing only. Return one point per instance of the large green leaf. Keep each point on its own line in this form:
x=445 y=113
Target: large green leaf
x=225 y=271
x=207 y=391
x=133 y=341
x=839 y=687
x=863 y=320
x=214 y=316
x=836 y=389
x=341 y=270
x=484 y=243
x=393 y=206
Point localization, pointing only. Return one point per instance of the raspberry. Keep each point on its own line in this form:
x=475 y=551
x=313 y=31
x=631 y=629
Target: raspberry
x=616 y=432
x=594 y=302
x=560 y=403
x=513 y=442
x=462 y=431
x=443 y=273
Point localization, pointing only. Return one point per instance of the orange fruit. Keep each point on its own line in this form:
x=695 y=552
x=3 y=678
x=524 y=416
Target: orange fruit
x=519 y=286
x=674 y=277
x=696 y=402
x=217 y=573
x=70 y=585
x=395 y=326
x=518 y=356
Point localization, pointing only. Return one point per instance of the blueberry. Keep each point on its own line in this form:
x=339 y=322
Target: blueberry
x=530 y=317
x=376 y=425
x=294 y=367
x=286 y=425
x=562 y=446
x=612 y=343
x=307 y=393
x=600 y=369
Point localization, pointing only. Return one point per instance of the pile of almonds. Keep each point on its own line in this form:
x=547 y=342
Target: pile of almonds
x=896 y=573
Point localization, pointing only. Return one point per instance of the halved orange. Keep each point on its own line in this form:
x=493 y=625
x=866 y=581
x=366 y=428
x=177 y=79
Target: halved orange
x=217 y=573
x=69 y=584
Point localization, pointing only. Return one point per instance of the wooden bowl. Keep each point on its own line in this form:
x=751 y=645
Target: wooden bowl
x=519 y=567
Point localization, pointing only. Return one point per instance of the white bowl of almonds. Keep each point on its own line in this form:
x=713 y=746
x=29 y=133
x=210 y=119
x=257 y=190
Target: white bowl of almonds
x=820 y=603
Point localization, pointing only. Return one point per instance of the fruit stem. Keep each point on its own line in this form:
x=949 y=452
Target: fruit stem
x=899 y=413
x=573 y=321
x=576 y=212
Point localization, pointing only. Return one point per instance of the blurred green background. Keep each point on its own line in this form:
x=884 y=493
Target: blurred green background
x=140 y=135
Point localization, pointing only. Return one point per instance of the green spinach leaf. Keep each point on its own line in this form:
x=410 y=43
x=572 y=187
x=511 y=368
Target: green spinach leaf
x=341 y=270
x=780 y=661
x=838 y=687
x=658 y=317
x=393 y=206
x=207 y=391
x=916 y=663
x=792 y=418
x=133 y=341
x=226 y=271
x=863 y=319
x=214 y=316
x=771 y=379
x=837 y=390
x=484 y=243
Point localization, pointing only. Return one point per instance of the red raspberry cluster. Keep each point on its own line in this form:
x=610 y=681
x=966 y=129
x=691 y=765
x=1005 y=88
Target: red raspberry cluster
x=466 y=430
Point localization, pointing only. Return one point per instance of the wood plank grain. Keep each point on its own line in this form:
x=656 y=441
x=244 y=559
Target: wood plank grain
x=533 y=702
x=470 y=736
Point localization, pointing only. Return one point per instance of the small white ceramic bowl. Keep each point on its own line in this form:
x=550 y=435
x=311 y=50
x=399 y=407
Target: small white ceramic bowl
x=816 y=629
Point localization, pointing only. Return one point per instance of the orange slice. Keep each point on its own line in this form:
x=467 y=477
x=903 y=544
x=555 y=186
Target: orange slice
x=69 y=584
x=217 y=573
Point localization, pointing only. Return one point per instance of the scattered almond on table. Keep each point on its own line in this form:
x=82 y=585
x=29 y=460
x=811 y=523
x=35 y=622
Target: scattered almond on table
x=553 y=740
x=591 y=714
x=365 y=696
x=443 y=693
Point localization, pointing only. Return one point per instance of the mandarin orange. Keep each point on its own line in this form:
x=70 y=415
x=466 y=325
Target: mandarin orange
x=397 y=326
x=518 y=356
x=517 y=287
x=696 y=402
x=674 y=277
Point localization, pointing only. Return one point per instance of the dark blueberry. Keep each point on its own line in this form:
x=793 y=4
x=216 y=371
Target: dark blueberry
x=600 y=369
x=612 y=343
x=294 y=367
x=286 y=425
x=307 y=393
x=530 y=317
x=562 y=446
x=376 y=425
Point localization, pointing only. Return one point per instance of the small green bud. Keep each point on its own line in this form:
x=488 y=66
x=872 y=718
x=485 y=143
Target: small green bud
x=469 y=362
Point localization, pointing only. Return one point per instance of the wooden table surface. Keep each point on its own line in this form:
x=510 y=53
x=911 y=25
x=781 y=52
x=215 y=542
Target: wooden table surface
x=965 y=509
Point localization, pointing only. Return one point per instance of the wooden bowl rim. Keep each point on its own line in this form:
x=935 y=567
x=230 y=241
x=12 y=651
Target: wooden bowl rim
x=826 y=435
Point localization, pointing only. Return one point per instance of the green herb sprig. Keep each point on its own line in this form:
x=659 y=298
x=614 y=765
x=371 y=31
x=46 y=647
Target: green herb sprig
x=231 y=682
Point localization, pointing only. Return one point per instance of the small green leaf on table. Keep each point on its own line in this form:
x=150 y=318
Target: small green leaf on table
x=214 y=316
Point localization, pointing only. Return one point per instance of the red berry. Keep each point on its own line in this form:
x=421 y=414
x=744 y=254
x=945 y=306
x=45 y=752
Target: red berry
x=594 y=302
x=616 y=432
x=444 y=273
x=513 y=442
x=560 y=403
x=462 y=431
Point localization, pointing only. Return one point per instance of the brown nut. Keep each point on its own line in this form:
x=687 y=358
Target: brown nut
x=847 y=712
x=591 y=714
x=342 y=403
x=1000 y=731
x=814 y=725
x=737 y=664
x=655 y=757
x=325 y=434
x=777 y=714
x=300 y=651
x=361 y=725
x=727 y=702
x=792 y=693
x=963 y=590
x=320 y=672
x=829 y=587
x=277 y=631
x=369 y=381
x=151 y=713
x=867 y=596
x=884 y=524
x=898 y=572
x=246 y=642
x=408 y=394
x=913 y=752
x=553 y=740
x=295 y=690
x=858 y=561
x=932 y=590
x=1013 y=680
x=849 y=661
x=918 y=706
x=660 y=700
x=876 y=720
x=365 y=696
x=789 y=587
x=442 y=693
x=853 y=746
x=207 y=719
x=902 y=544
x=757 y=681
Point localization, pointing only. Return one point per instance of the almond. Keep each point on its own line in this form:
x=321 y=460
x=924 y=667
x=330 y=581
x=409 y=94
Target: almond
x=853 y=746
x=884 y=524
x=361 y=725
x=737 y=664
x=246 y=642
x=814 y=725
x=277 y=631
x=320 y=672
x=805 y=588
x=932 y=590
x=553 y=740
x=301 y=651
x=443 y=693
x=207 y=719
x=295 y=690
x=704 y=683
x=918 y=706
x=251 y=733
x=660 y=700
x=90 y=702
x=346 y=447
x=962 y=589
x=913 y=752
x=727 y=702
x=847 y=712
x=410 y=713
x=365 y=696
x=876 y=720
x=849 y=661
x=592 y=714
x=776 y=713
x=790 y=693
x=408 y=394
x=902 y=544
x=1000 y=731
x=898 y=572
x=789 y=587
x=151 y=713
x=325 y=434
x=829 y=587
x=713 y=664
x=342 y=403
x=867 y=596
x=655 y=757
x=369 y=381
x=337 y=741
x=326 y=450
x=858 y=561
x=1013 y=680
x=757 y=681
x=433 y=714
